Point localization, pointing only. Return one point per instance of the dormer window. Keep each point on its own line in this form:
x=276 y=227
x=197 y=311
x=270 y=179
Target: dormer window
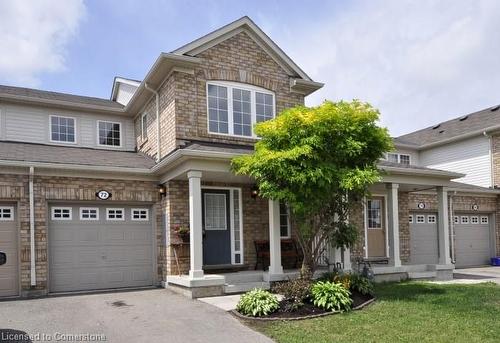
x=62 y=129
x=109 y=133
x=234 y=108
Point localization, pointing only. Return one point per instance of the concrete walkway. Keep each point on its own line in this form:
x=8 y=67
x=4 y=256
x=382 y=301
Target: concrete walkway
x=474 y=275
x=140 y=316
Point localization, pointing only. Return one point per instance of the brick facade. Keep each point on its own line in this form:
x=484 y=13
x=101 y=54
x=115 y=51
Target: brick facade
x=183 y=102
x=15 y=188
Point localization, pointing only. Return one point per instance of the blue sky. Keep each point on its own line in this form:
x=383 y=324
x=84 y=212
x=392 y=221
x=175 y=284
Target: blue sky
x=419 y=62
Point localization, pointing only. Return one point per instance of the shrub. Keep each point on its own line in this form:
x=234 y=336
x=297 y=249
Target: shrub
x=295 y=292
x=362 y=284
x=257 y=302
x=343 y=279
x=331 y=296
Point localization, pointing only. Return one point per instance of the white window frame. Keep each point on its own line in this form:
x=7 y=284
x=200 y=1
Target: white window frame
x=230 y=116
x=4 y=219
x=115 y=209
x=431 y=219
x=62 y=208
x=139 y=219
x=398 y=156
x=420 y=219
x=50 y=129
x=89 y=209
x=487 y=221
x=410 y=219
x=144 y=128
x=472 y=218
x=121 y=134
x=288 y=224
x=464 y=220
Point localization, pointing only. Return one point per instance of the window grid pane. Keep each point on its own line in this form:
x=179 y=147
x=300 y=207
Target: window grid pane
x=374 y=214
x=218 y=119
x=264 y=106
x=236 y=215
x=242 y=114
x=215 y=212
x=284 y=222
x=109 y=133
x=62 y=129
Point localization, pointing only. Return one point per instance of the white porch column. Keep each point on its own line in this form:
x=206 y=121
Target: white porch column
x=195 y=225
x=393 y=224
x=275 y=266
x=443 y=229
x=347 y=259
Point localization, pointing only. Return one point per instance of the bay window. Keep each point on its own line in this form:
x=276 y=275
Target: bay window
x=234 y=108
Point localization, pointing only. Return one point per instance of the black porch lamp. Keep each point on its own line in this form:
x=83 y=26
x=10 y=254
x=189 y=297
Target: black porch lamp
x=254 y=192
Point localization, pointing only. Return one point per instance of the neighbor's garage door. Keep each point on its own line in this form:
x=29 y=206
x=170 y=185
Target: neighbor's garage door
x=472 y=240
x=98 y=247
x=9 y=274
x=423 y=238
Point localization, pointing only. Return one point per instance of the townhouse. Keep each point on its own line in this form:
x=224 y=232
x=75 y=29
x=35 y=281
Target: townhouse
x=93 y=191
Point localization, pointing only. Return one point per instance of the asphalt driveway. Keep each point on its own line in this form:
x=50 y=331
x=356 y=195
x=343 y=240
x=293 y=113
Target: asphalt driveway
x=140 y=316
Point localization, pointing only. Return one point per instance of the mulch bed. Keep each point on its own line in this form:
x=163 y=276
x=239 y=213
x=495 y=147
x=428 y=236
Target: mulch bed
x=309 y=310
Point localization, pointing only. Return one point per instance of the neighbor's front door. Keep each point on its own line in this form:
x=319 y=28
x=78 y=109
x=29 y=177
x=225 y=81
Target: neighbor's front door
x=216 y=227
x=376 y=227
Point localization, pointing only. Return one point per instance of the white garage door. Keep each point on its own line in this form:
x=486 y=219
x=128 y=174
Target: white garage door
x=9 y=272
x=423 y=238
x=99 y=247
x=472 y=240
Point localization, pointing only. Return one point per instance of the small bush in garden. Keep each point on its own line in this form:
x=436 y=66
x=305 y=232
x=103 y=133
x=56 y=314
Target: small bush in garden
x=331 y=296
x=362 y=284
x=344 y=279
x=294 y=292
x=257 y=302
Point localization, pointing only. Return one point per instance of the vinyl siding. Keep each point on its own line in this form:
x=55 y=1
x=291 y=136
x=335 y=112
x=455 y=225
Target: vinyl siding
x=32 y=125
x=125 y=93
x=471 y=157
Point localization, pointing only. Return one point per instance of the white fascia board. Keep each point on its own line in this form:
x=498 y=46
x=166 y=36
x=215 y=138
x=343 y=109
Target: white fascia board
x=304 y=87
x=117 y=80
x=174 y=60
x=205 y=42
x=423 y=172
x=66 y=166
x=59 y=103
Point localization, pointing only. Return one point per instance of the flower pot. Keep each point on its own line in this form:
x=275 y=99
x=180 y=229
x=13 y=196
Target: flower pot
x=184 y=237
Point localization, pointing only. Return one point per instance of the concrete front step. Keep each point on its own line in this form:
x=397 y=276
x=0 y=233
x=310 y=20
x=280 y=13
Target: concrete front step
x=244 y=287
x=244 y=277
x=427 y=275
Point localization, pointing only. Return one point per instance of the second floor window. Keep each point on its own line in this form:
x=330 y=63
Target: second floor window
x=62 y=129
x=109 y=133
x=399 y=158
x=233 y=109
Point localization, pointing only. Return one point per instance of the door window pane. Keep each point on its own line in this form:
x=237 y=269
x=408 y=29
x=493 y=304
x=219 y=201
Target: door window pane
x=374 y=214
x=215 y=211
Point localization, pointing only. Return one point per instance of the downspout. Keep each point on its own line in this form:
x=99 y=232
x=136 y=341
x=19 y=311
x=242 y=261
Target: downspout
x=32 y=227
x=452 y=228
x=492 y=174
x=157 y=96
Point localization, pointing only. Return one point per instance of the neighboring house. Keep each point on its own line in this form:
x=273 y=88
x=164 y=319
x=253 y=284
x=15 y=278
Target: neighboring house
x=92 y=190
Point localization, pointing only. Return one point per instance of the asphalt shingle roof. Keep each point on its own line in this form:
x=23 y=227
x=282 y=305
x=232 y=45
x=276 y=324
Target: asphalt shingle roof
x=7 y=91
x=476 y=121
x=13 y=151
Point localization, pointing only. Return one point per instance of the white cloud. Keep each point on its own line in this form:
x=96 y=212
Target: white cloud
x=419 y=62
x=34 y=35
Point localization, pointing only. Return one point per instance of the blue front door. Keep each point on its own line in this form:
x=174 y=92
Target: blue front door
x=216 y=227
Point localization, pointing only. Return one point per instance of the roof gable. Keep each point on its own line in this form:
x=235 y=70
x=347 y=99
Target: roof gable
x=244 y=24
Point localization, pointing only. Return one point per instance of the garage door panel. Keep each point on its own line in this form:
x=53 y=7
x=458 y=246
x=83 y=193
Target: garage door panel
x=99 y=254
x=424 y=241
x=472 y=243
x=9 y=272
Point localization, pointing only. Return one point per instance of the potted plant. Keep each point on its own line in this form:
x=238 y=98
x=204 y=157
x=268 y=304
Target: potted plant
x=183 y=233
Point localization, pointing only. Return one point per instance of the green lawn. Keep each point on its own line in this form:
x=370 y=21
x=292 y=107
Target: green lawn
x=406 y=312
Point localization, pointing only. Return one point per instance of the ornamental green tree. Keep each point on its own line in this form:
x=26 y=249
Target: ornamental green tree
x=320 y=161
